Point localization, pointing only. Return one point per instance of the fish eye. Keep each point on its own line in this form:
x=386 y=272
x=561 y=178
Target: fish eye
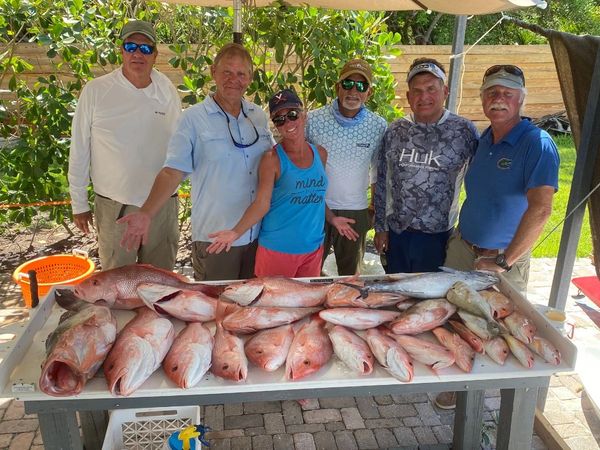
x=306 y=362
x=174 y=369
x=225 y=366
x=259 y=352
x=95 y=282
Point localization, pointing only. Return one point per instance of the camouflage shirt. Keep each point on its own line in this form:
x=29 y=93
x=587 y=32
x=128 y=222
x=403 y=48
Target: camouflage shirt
x=420 y=170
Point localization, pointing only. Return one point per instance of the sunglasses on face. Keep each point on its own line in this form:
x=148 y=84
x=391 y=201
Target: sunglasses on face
x=508 y=68
x=131 y=47
x=361 y=86
x=291 y=115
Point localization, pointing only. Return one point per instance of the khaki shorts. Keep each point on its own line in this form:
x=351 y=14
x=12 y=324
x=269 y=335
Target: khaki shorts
x=236 y=264
x=348 y=254
x=461 y=256
x=161 y=249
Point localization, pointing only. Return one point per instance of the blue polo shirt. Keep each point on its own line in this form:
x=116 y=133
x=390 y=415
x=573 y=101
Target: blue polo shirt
x=224 y=177
x=498 y=180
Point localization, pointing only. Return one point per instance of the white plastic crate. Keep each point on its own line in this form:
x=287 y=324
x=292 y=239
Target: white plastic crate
x=147 y=429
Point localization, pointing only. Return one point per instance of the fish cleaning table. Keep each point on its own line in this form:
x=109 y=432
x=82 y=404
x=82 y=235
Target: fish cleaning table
x=21 y=359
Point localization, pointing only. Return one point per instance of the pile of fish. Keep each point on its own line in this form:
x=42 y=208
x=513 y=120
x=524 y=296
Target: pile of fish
x=437 y=319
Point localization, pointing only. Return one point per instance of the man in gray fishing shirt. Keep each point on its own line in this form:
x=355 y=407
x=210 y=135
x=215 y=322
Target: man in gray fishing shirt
x=420 y=170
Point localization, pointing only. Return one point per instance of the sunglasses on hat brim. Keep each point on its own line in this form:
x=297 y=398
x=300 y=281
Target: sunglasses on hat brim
x=131 y=47
x=508 y=68
x=291 y=115
x=361 y=86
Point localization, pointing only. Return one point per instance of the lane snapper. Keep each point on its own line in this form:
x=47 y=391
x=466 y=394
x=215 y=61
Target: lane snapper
x=253 y=318
x=520 y=350
x=432 y=355
x=183 y=304
x=497 y=349
x=520 y=327
x=228 y=357
x=545 y=349
x=464 y=355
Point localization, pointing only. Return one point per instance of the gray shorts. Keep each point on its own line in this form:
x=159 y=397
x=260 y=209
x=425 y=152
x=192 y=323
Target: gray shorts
x=236 y=264
x=161 y=249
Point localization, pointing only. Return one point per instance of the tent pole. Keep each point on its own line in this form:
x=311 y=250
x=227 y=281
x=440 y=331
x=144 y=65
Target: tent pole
x=581 y=185
x=237 y=21
x=456 y=63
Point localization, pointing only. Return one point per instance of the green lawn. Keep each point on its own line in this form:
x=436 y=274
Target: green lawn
x=549 y=248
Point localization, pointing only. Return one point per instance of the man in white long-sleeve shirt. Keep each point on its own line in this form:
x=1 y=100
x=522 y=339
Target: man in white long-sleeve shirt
x=120 y=133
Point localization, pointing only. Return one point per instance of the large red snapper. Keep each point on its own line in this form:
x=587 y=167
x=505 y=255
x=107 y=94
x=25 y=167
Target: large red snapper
x=311 y=349
x=464 y=355
x=253 y=318
x=268 y=349
x=183 y=304
x=116 y=288
x=358 y=318
x=228 y=358
x=390 y=355
x=352 y=350
x=76 y=349
x=424 y=316
x=140 y=348
x=342 y=295
x=276 y=291
x=190 y=356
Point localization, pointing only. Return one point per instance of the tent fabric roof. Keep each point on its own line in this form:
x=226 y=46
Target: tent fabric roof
x=465 y=7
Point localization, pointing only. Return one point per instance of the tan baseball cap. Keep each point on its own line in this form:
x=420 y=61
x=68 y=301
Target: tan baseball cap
x=357 y=66
x=138 y=26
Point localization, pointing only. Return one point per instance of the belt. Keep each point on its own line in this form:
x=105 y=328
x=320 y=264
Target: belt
x=479 y=251
x=123 y=206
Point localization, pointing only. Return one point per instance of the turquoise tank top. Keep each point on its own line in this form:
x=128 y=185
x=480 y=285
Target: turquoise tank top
x=295 y=222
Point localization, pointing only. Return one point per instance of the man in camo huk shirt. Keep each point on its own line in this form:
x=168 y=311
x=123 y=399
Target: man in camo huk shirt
x=420 y=170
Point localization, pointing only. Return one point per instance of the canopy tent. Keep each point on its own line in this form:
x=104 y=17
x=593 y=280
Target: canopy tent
x=465 y=7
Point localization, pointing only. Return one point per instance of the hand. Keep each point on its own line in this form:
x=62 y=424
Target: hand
x=136 y=230
x=381 y=241
x=488 y=263
x=222 y=241
x=342 y=225
x=83 y=221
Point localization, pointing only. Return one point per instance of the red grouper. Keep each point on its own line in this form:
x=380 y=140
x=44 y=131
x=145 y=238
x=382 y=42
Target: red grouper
x=76 y=349
x=116 y=288
x=140 y=348
x=310 y=350
x=190 y=356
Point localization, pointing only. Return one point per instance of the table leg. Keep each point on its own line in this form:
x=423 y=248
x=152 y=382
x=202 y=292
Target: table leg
x=517 y=413
x=468 y=419
x=93 y=428
x=60 y=431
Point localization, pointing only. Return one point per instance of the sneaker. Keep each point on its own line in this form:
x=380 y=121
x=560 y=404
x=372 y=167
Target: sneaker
x=446 y=400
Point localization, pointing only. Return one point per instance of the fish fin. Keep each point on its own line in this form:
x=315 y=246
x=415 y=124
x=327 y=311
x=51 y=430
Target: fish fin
x=448 y=269
x=67 y=299
x=364 y=293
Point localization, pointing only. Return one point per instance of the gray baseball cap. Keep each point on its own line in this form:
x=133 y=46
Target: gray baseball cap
x=428 y=67
x=502 y=77
x=138 y=26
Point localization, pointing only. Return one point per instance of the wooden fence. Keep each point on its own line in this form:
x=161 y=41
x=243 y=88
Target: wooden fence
x=544 y=96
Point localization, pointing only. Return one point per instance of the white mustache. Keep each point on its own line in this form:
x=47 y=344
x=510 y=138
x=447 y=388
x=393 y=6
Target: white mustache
x=498 y=105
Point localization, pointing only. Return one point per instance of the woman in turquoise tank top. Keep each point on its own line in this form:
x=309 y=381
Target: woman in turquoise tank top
x=290 y=200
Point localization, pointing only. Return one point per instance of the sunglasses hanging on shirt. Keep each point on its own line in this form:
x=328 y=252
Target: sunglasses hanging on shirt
x=239 y=144
x=131 y=47
x=361 y=86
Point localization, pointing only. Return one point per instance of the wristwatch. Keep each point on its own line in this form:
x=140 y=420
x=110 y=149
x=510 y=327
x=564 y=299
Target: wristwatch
x=501 y=262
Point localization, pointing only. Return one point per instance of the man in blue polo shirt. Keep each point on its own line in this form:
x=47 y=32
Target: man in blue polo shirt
x=509 y=185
